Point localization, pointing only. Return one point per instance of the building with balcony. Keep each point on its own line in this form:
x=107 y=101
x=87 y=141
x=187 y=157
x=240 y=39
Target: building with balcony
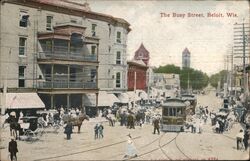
x=60 y=50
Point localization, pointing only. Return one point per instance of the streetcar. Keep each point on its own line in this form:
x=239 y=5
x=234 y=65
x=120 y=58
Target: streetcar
x=173 y=115
x=192 y=100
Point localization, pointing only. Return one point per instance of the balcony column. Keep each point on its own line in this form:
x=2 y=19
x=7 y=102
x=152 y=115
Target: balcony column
x=96 y=77
x=68 y=54
x=97 y=51
x=68 y=81
x=68 y=101
x=97 y=112
x=52 y=76
x=53 y=47
x=52 y=101
x=83 y=107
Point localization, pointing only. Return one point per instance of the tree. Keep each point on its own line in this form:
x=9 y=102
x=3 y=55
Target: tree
x=218 y=77
x=168 y=69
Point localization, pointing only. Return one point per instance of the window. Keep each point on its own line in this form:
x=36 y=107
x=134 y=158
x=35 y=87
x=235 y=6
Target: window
x=22 y=45
x=93 y=50
x=48 y=46
x=118 y=80
x=21 y=79
x=118 y=37
x=118 y=57
x=73 y=21
x=109 y=49
x=49 y=23
x=93 y=75
x=93 y=29
x=24 y=18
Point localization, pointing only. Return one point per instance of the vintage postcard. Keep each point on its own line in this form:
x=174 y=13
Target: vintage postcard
x=124 y=80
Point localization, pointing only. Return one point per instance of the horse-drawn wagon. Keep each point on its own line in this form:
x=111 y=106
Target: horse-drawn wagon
x=30 y=129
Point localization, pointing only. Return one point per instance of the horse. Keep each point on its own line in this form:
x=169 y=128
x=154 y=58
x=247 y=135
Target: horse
x=76 y=121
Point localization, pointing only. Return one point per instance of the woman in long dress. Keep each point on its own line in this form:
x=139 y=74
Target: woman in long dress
x=130 y=149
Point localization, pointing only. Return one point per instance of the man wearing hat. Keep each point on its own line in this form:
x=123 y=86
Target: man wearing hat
x=13 y=149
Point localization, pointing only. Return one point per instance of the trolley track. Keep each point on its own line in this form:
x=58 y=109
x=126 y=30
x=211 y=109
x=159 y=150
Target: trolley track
x=163 y=151
x=84 y=151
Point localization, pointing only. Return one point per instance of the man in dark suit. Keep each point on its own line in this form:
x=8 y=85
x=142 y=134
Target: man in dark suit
x=156 y=125
x=13 y=149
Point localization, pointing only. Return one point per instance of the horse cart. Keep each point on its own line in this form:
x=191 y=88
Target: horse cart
x=49 y=120
x=30 y=129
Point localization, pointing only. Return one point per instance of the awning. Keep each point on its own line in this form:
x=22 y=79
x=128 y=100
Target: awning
x=133 y=96
x=104 y=99
x=142 y=94
x=23 y=101
x=123 y=97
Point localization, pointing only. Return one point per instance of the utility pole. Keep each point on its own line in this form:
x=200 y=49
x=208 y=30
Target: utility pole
x=134 y=86
x=241 y=50
x=5 y=88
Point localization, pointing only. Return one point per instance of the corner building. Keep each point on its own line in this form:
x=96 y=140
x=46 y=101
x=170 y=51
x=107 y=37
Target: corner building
x=61 y=50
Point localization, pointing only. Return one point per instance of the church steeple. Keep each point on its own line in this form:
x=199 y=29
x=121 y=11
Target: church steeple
x=142 y=54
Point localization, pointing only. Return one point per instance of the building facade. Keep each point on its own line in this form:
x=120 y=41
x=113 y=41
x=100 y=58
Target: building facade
x=186 y=55
x=61 y=50
x=137 y=75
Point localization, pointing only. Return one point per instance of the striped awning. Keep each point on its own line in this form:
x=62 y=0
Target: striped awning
x=23 y=101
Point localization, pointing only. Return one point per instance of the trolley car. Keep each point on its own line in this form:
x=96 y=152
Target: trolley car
x=173 y=115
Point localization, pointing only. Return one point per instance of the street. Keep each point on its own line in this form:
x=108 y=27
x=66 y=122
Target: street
x=166 y=146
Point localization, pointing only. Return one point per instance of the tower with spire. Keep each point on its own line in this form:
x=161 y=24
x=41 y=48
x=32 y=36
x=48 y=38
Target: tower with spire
x=186 y=55
x=142 y=54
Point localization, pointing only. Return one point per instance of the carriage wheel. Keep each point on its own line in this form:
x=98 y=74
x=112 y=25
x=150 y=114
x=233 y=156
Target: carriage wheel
x=56 y=128
x=40 y=130
x=28 y=134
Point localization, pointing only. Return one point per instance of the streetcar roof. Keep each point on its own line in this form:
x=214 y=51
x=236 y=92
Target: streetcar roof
x=174 y=103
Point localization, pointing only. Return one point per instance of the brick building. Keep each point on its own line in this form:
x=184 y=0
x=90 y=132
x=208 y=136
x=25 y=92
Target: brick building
x=137 y=75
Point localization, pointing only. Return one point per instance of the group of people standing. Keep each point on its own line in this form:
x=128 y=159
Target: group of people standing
x=98 y=129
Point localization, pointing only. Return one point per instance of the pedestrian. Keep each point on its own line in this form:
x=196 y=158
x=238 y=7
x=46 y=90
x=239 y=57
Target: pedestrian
x=68 y=130
x=156 y=123
x=130 y=148
x=77 y=111
x=245 y=139
x=13 y=149
x=96 y=129
x=100 y=130
x=239 y=139
x=217 y=127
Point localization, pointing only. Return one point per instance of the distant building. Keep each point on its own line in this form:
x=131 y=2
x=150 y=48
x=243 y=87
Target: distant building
x=137 y=71
x=142 y=54
x=186 y=58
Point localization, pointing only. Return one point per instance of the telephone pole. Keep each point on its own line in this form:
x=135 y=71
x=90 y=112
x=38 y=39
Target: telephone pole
x=241 y=34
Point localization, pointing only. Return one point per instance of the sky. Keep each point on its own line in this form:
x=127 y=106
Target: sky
x=209 y=39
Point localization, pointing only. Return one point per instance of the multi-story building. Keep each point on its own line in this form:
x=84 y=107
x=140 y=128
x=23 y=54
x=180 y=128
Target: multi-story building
x=61 y=50
x=186 y=55
x=137 y=75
